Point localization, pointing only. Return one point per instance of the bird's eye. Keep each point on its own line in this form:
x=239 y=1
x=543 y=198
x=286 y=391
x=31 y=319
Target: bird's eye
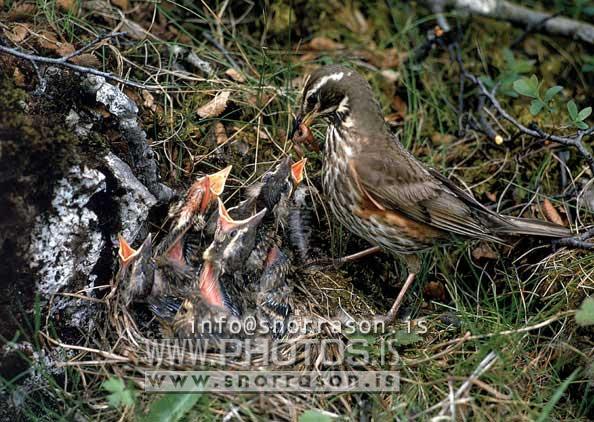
x=312 y=100
x=232 y=233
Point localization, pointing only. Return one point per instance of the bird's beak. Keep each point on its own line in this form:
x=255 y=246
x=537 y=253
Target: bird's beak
x=226 y=223
x=297 y=171
x=304 y=120
x=218 y=180
x=296 y=124
x=125 y=252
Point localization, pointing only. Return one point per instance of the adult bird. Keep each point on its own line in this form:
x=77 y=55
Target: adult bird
x=380 y=191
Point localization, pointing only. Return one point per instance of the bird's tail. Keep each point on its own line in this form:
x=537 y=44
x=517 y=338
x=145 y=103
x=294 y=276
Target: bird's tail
x=532 y=227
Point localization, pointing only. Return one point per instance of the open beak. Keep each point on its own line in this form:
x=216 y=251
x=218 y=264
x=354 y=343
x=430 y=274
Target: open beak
x=226 y=223
x=218 y=180
x=125 y=252
x=297 y=171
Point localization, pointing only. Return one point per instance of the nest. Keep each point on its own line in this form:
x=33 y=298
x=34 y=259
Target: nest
x=124 y=342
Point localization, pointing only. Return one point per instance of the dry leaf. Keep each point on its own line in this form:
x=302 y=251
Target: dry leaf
x=551 y=212
x=48 y=40
x=435 y=290
x=65 y=49
x=67 y=5
x=149 y=100
x=324 y=43
x=215 y=107
x=19 y=78
x=122 y=4
x=88 y=60
x=483 y=251
x=220 y=133
x=235 y=75
x=19 y=11
x=18 y=33
x=491 y=196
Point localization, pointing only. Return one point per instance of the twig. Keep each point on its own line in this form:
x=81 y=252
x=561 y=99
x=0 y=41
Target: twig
x=575 y=141
x=63 y=61
x=577 y=242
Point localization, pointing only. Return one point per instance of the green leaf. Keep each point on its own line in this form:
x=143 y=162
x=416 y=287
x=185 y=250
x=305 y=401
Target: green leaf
x=583 y=115
x=121 y=395
x=524 y=87
x=581 y=125
x=172 y=407
x=314 y=416
x=585 y=315
x=588 y=67
x=535 y=107
x=572 y=109
x=551 y=92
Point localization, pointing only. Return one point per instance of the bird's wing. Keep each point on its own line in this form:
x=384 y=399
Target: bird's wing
x=394 y=180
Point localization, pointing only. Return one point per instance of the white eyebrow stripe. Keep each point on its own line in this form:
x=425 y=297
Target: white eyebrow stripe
x=333 y=76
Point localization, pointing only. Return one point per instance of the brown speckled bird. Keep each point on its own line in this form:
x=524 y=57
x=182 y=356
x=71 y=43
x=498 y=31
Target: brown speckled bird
x=383 y=194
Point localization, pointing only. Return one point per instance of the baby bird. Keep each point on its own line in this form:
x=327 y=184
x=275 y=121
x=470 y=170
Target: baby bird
x=189 y=214
x=226 y=256
x=136 y=271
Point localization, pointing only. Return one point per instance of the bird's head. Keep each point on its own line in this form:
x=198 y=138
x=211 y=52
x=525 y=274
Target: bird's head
x=331 y=92
x=233 y=239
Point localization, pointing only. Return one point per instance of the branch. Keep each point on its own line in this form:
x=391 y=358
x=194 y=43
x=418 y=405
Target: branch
x=63 y=62
x=520 y=15
x=575 y=141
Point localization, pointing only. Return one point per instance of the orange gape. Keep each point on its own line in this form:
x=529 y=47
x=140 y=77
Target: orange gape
x=210 y=288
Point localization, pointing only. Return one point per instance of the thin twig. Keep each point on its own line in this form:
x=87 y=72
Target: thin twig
x=62 y=61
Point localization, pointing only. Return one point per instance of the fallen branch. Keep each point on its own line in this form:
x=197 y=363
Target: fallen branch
x=63 y=62
x=519 y=15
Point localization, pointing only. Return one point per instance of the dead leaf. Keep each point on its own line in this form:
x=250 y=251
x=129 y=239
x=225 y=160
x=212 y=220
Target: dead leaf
x=88 y=60
x=214 y=107
x=483 y=251
x=220 y=133
x=122 y=4
x=18 y=33
x=442 y=138
x=324 y=43
x=551 y=212
x=435 y=290
x=65 y=49
x=149 y=100
x=19 y=78
x=67 y=5
x=235 y=75
x=21 y=10
x=48 y=40
x=491 y=196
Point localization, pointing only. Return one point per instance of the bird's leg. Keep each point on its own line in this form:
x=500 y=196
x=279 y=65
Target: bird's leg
x=413 y=265
x=343 y=260
x=391 y=316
